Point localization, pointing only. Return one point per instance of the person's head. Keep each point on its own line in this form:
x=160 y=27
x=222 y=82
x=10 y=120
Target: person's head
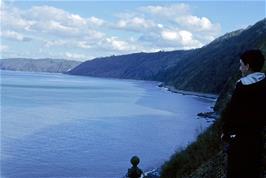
x=251 y=61
x=134 y=160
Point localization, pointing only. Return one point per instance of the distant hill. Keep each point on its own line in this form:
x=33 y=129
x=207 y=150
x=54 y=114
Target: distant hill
x=38 y=65
x=204 y=69
x=143 y=66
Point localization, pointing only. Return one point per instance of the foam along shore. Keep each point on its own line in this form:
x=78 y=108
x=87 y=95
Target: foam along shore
x=183 y=92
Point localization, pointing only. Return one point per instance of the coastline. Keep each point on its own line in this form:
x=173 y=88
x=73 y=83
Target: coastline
x=184 y=92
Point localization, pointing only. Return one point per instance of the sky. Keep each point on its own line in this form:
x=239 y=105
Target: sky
x=84 y=30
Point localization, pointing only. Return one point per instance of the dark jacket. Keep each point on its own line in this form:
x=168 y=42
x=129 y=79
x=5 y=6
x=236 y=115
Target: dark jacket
x=134 y=172
x=245 y=114
x=243 y=124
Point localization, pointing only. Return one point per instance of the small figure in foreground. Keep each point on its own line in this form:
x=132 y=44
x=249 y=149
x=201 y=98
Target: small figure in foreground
x=134 y=171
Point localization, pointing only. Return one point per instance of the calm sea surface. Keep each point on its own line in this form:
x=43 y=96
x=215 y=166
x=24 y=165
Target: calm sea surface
x=56 y=125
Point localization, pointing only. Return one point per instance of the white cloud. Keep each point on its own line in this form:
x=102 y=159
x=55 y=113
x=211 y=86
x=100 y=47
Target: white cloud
x=54 y=18
x=93 y=35
x=170 y=35
x=3 y=48
x=182 y=37
x=172 y=25
x=197 y=23
x=49 y=20
x=149 y=28
x=74 y=56
x=77 y=20
x=135 y=23
x=120 y=45
x=83 y=44
x=48 y=13
x=188 y=41
x=96 y=21
x=14 y=36
x=11 y=18
x=186 y=37
x=51 y=43
x=160 y=25
x=167 y=10
x=67 y=44
x=54 y=26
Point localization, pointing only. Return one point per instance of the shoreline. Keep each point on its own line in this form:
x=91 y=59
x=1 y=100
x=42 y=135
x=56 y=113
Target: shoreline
x=184 y=92
x=210 y=116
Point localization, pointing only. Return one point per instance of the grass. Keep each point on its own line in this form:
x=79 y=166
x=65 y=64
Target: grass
x=185 y=162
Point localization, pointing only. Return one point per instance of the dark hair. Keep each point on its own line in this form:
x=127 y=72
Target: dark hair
x=254 y=58
x=135 y=160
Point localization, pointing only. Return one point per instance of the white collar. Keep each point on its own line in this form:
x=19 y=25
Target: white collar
x=252 y=78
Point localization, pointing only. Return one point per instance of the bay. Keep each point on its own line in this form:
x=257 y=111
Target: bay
x=57 y=125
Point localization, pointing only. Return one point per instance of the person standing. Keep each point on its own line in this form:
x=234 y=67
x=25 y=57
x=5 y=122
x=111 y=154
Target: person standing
x=244 y=119
x=134 y=171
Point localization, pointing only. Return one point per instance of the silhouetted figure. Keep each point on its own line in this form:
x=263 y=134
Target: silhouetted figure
x=244 y=119
x=134 y=171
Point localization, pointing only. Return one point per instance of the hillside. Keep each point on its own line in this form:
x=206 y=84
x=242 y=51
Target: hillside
x=143 y=66
x=226 y=92
x=219 y=59
x=185 y=70
x=38 y=65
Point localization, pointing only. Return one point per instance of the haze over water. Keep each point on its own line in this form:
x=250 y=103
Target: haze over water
x=56 y=125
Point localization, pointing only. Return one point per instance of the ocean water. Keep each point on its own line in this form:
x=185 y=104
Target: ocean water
x=56 y=125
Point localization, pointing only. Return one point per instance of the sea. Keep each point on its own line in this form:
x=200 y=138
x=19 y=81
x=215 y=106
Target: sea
x=65 y=126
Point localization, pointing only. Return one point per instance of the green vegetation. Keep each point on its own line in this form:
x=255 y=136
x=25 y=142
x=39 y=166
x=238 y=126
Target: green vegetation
x=185 y=162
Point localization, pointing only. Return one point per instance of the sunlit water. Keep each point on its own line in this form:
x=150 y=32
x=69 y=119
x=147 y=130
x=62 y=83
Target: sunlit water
x=56 y=125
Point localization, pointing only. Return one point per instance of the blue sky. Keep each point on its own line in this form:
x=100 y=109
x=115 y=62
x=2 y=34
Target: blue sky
x=83 y=30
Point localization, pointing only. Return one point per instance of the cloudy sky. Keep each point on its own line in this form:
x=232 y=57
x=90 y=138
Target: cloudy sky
x=83 y=30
